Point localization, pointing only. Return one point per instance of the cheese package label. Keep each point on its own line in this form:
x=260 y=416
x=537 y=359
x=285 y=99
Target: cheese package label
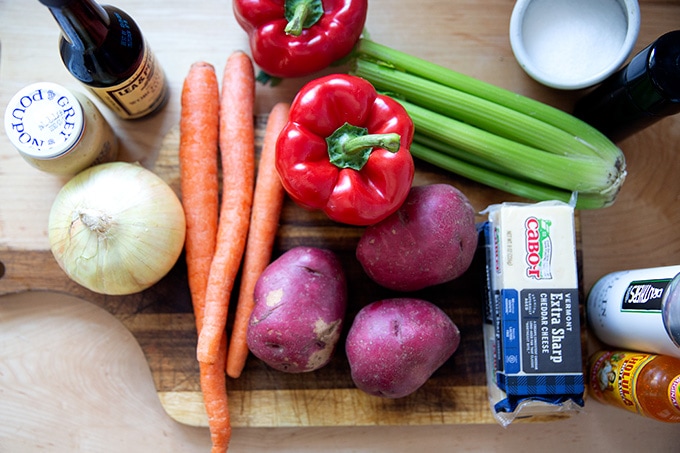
x=532 y=326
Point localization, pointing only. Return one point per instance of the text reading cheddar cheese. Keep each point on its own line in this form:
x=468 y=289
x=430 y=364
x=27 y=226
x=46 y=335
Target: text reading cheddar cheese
x=532 y=331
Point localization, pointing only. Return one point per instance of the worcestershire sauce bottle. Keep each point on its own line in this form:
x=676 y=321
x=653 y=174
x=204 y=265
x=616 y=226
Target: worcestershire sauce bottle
x=103 y=48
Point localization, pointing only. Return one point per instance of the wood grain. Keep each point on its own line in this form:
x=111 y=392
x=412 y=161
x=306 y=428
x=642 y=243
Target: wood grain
x=161 y=320
x=471 y=36
x=95 y=365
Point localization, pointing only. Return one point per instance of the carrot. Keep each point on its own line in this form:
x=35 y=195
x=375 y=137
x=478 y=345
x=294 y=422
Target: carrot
x=213 y=382
x=199 y=185
x=237 y=149
x=198 y=176
x=264 y=222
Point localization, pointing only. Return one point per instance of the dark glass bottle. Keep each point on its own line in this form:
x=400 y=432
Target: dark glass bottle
x=639 y=94
x=104 y=49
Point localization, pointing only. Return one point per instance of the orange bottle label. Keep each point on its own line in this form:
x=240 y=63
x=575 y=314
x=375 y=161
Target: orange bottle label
x=613 y=376
x=674 y=392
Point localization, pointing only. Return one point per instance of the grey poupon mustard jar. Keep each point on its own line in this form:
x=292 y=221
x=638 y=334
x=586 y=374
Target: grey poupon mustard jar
x=58 y=131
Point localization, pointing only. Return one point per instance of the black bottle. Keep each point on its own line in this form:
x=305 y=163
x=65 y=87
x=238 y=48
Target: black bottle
x=104 y=49
x=638 y=95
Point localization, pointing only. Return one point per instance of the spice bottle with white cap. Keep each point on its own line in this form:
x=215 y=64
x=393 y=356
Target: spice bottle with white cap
x=58 y=131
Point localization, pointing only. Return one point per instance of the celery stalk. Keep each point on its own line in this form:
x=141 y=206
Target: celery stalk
x=478 y=161
x=534 y=164
x=370 y=50
x=508 y=183
x=536 y=148
x=473 y=110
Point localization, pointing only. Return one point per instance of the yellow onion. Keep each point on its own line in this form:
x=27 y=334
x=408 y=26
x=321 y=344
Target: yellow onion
x=116 y=228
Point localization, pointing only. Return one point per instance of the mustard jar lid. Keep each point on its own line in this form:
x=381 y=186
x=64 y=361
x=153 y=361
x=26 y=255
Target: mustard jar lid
x=44 y=120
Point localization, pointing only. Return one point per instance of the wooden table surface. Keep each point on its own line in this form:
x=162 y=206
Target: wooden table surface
x=640 y=230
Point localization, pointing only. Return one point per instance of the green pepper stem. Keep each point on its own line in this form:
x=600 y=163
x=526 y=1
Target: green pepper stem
x=391 y=142
x=302 y=14
x=295 y=25
x=350 y=146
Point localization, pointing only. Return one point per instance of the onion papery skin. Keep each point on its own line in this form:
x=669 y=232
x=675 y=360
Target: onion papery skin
x=137 y=243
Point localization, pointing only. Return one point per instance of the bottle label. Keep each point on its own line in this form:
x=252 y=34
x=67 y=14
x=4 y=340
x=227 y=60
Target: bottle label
x=674 y=392
x=624 y=309
x=613 y=377
x=141 y=94
x=644 y=295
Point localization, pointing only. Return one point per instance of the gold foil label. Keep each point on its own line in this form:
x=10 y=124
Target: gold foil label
x=139 y=95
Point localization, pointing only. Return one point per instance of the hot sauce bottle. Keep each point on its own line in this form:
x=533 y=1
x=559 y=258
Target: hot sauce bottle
x=647 y=384
x=104 y=49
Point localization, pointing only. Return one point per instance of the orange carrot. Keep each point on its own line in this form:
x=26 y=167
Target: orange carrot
x=264 y=222
x=198 y=176
x=199 y=186
x=237 y=149
x=213 y=382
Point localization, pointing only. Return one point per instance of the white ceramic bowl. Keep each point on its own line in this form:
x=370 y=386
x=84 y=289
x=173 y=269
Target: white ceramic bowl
x=573 y=44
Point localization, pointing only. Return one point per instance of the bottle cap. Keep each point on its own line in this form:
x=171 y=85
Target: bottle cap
x=44 y=120
x=664 y=68
x=670 y=307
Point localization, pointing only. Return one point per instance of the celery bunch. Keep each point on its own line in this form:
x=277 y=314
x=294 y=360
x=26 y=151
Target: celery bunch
x=493 y=136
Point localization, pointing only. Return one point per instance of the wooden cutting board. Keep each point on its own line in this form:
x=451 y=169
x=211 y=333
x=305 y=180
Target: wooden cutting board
x=162 y=321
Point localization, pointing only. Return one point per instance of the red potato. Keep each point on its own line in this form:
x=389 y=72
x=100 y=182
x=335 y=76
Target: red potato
x=395 y=345
x=430 y=240
x=300 y=304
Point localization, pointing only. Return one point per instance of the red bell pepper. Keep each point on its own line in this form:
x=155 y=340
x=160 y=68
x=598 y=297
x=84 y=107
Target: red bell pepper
x=345 y=150
x=294 y=38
